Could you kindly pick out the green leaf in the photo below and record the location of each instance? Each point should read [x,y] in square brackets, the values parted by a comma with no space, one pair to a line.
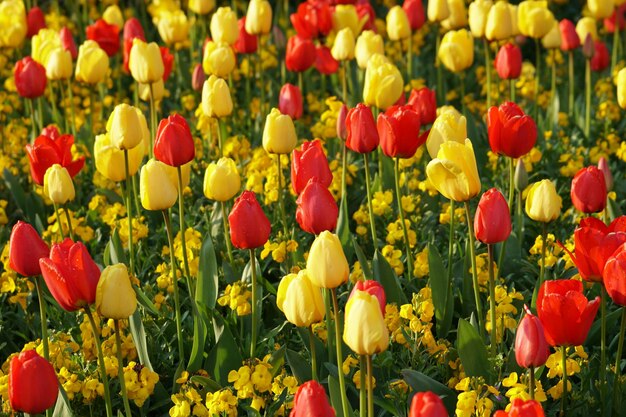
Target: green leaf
[299,366]
[343,227]
[472,351]
[384,274]
[441,291]
[367,272]
[208,384]
[420,383]
[224,357]
[62,407]
[139,338]
[116,249]
[277,360]
[335,397]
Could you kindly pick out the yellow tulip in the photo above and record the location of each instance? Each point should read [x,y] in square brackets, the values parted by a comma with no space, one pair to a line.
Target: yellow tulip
[456,51]
[327,264]
[601,9]
[173,27]
[383,83]
[13,23]
[346,16]
[514,20]
[478,14]
[219,59]
[113,16]
[534,18]
[110,159]
[279,133]
[259,17]
[127,127]
[92,63]
[221,180]
[59,64]
[224,28]
[368,44]
[587,26]
[43,43]
[454,172]
[437,10]
[552,40]
[216,101]
[621,88]
[499,25]
[156,189]
[398,26]
[115,297]
[458,15]
[158,90]
[201,7]
[449,126]
[543,203]
[185,171]
[58,185]
[300,300]
[365,331]
[145,62]
[344,45]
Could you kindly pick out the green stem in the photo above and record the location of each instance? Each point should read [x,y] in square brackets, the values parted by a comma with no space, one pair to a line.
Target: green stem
[363,387]
[342,382]
[618,360]
[531,382]
[260,72]
[554,117]
[103,371]
[120,369]
[488,70]
[220,143]
[587,98]
[55,110]
[369,200]
[227,233]
[616,45]
[409,59]
[281,201]
[33,122]
[544,237]
[407,243]
[492,304]
[72,111]
[344,167]
[463,108]
[512,90]
[537,76]
[43,317]
[313,358]
[129,215]
[40,111]
[61,89]
[564,365]
[152,120]
[571,85]
[511,184]
[370,388]
[255,313]
[344,82]
[440,95]
[91,112]
[470,232]
[329,328]
[603,300]
[520,219]
[69,223]
[301,84]
[183,240]
[56,212]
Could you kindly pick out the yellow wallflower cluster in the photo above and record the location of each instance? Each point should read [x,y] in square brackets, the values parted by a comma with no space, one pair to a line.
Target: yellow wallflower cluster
[3,214]
[237,148]
[253,381]
[420,264]
[261,169]
[193,240]
[237,297]
[221,403]
[326,127]
[505,311]
[11,283]
[279,248]
[446,213]
[337,170]
[395,234]
[574,361]
[554,252]
[394,257]
[140,382]
[474,401]
[79,225]
[114,215]
[518,388]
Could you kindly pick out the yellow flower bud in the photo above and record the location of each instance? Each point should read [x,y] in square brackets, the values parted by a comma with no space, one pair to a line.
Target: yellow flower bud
[113,16]
[158,90]
[454,172]
[514,20]
[438,10]
[221,180]
[13,23]
[327,264]
[383,83]
[346,16]
[478,14]
[343,46]
[300,300]
[543,203]
[601,9]
[367,332]
[173,26]
[224,28]
[58,185]
[621,88]
[216,101]
[450,125]
[259,17]
[534,18]
[552,40]
[127,126]
[499,25]
[398,26]
[201,7]
[59,64]
[145,62]
[368,44]
[279,133]
[157,190]
[458,15]
[456,51]
[115,297]
[586,26]
[219,59]
[92,63]
[110,159]
[43,44]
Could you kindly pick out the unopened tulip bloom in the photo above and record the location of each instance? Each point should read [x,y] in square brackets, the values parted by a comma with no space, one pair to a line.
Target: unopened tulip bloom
[600,9]
[58,185]
[398,26]
[246,43]
[156,189]
[92,64]
[478,13]
[454,172]
[374,288]
[586,26]
[344,45]
[157,90]
[603,165]
[617,20]
[569,37]
[552,40]
[362,134]
[71,275]
[13,23]
[346,16]
[300,54]
[127,127]
[106,35]
[588,190]
[300,300]
[456,51]
[367,333]
[531,347]
[508,62]
[32,384]
[383,83]
[221,180]
[458,15]
[290,101]
[601,57]
[47,151]
[424,103]
[26,247]
[367,44]
[492,222]
[259,17]
[132,30]
[543,203]
[414,10]
[198,78]
[174,144]
[115,297]
[534,18]
[249,226]
[521,408]
[67,41]
[450,126]
[615,276]
[438,10]
[113,16]
[307,162]
[312,19]
[511,132]
[317,209]
[216,100]
[35,21]
[324,61]
[30,78]
[399,132]
[310,400]
[109,158]
[279,133]
[43,43]
[219,59]
[223,26]
[173,26]
[59,64]
[145,62]
[621,88]
[327,263]
[427,404]
[499,24]
[202,7]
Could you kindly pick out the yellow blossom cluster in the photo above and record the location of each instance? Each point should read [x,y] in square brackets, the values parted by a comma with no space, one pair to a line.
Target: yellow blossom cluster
[237,297]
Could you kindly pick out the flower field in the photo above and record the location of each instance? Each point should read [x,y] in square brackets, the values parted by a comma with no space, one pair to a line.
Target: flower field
[314,208]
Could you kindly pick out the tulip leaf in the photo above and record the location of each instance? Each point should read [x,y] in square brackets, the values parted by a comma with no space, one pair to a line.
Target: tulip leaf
[207,283]
[420,383]
[472,351]
[384,273]
[116,250]
[139,338]
[441,291]
[613,209]
[343,227]
[593,337]
[335,397]
[62,407]
[277,403]
[29,204]
[207,383]
[365,266]
[199,341]
[299,366]
[277,360]
[224,357]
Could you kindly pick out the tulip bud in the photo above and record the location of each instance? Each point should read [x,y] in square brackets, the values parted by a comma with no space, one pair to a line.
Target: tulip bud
[367,333]
[368,44]
[543,203]
[478,14]
[249,226]
[588,190]
[145,62]
[398,26]
[492,222]
[415,12]
[534,18]
[216,101]
[373,288]
[300,54]
[259,17]
[458,15]
[32,385]
[457,50]
[327,263]
[519,408]
[246,43]
[344,45]
[310,400]
[614,274]
[454,172]
[586,26]
[219,59]
[499,24]
[106,35]
[198,78]
[589,47]
[221,180]
[26,247]
[127,127]
[173,26]
[511,132]
[399,132]
[110,159]
[92,64]
[438,10]
[383,83]
[67,41]
[346,16]
[113,16]
[202,7]
[13,23]
[508,62]
[531,348]
[290,101]
[35,21]
[156,189]
[521,176]
[115,297]
[279,133]
[58,185]
[316,210]
[424,103]
[450,125]
[569,37]
[300,300]
[174,144]
[224,27]
[324,61]
[154,91]
[30,78]
[603,165]
[552,40]
[308,162]
[600,9]
[362,135]
[601,58]
[59,65]
[427,404]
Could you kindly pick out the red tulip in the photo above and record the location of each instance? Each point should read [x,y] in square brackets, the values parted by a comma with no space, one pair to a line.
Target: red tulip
[601,58]
[246,43]
[71,275]
[427,404]
[132,30]
[308,162]
[249,227]
[290,101]
[365,11]
[362,136]
[589,190]
[373,288]
[615,276]
[311,401]
[342,130]
[317,209]
[521,408]
[35,21]
[51,131]
[508,62]
[312,19]
[324,61]
[414,10]
[26,247]
[168,62]
[399,131]
[531,347]
[569,38]
[620,15]
[492,222]
[49,150]
[424,102]
[107,36]
[67,40]
[30,78]
[603,165]
[300,54]
[33,386]
[565,312]
[174,144]
[511,132]
[198,78]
